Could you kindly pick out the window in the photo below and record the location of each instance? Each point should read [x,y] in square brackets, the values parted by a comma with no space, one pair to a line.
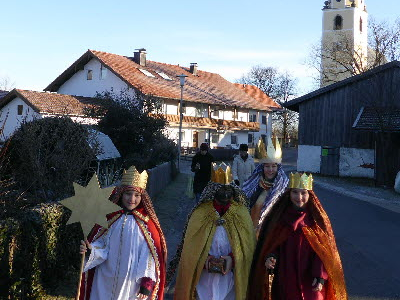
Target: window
[361,24]
[264,119]
[215,138]
[20,109]
[200,111]
[103,72]
[216,113]
[163,75]
[233,139]
[89,75]
[338,25]
[147,73]
[250,138]
[252,118]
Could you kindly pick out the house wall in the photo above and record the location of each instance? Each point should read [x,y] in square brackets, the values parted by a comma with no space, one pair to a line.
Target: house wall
[327,119]
[356,162]
[10,119]
[171,107]
[79,85]
[243,116]
[309,158]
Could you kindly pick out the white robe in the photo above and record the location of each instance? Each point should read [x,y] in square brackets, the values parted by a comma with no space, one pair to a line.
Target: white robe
[121,257]
[214,286]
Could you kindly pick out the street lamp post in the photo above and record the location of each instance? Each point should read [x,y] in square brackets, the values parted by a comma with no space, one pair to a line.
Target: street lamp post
[182,78]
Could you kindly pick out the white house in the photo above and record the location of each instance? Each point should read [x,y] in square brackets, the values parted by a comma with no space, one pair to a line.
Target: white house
[215,110]
[20,106]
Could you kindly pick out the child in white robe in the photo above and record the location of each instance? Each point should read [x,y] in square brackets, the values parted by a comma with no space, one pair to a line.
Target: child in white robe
[129,257]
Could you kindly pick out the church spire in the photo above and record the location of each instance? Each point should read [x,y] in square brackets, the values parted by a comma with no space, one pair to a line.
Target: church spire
[344,27]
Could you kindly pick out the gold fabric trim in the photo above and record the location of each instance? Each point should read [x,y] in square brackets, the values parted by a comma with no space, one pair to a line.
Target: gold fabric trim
[140,216]
[153,251]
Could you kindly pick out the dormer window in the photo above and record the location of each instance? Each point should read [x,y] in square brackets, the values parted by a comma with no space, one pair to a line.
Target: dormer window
[147,73]
[89,75]
[338,25]
[20,109]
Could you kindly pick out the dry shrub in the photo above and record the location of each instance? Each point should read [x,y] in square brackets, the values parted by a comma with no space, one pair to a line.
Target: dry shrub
[47,155]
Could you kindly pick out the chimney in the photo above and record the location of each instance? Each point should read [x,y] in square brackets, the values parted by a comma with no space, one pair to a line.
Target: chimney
[193,68]
[140,57]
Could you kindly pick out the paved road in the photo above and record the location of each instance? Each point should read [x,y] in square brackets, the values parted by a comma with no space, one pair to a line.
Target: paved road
[368,239]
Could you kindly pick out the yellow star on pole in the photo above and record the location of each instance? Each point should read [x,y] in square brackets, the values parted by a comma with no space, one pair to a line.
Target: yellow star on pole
[90,205]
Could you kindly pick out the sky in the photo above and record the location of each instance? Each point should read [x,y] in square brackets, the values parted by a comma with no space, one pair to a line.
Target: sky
[40,39]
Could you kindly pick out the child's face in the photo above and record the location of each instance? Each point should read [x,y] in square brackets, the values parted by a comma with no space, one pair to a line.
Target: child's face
[299,197]
[270,170]
[131,199]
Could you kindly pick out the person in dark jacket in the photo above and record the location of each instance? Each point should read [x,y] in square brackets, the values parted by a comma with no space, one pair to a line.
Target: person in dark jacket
[201,166]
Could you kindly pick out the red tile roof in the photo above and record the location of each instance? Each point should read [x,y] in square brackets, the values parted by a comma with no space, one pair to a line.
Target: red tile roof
[205,87]
[213,123]
[258,94]
[45,102]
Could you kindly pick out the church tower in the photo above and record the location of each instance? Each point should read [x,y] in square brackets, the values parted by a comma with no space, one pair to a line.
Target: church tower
[344,39]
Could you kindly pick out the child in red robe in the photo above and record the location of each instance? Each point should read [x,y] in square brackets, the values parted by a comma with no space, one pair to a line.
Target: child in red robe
[296,257]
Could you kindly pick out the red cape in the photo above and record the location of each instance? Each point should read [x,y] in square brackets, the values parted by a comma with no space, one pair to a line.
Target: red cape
[320,237]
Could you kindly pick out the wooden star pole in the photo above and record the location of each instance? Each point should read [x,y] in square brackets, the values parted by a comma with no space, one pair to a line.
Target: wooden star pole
[89,206]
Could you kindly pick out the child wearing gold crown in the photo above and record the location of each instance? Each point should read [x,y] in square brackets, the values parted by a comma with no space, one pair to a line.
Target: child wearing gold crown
[128,259]
[267,182]
[217,249]
[296,255]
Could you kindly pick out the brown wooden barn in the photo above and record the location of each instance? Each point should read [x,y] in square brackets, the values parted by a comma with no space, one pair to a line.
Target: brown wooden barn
[352,127]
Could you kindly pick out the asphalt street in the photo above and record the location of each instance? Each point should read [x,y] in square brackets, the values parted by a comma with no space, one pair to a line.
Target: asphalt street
[368,238]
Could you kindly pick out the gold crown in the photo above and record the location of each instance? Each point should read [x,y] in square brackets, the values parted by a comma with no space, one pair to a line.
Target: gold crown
[301,181]
[134,178]
[271,154]
[221,173]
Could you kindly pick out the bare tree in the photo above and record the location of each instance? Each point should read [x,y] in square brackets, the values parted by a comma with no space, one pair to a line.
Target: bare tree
[281,87]
[6,84]
[343,58]
[285,121]
[265,78]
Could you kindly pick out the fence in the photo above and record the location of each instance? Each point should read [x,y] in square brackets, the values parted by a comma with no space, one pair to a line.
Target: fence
[159,178]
